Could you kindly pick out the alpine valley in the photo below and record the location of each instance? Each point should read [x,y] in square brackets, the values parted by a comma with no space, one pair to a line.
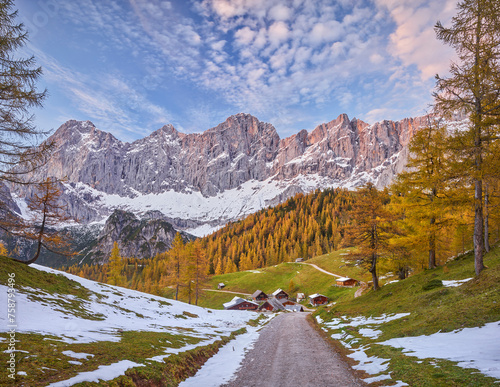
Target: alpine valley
[199,182]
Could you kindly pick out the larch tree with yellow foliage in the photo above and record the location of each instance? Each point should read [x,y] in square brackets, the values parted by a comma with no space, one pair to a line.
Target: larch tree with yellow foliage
[3,250]
[176,256]
[473,87]
[115,267]
[422,189]
[370,228]
[48,214]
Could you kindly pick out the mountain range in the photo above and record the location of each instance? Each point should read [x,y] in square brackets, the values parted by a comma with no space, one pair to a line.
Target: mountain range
[198,182]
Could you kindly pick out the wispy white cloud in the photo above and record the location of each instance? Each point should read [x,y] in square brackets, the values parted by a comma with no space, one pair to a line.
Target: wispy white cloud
[106,99]
[273,58]
[414,41]
[296,53]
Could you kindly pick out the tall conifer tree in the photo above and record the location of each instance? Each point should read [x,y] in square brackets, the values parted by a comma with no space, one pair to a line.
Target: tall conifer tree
[371,228]
[473,87]
[423,186]
[175,257]
[115,266]
[18,93]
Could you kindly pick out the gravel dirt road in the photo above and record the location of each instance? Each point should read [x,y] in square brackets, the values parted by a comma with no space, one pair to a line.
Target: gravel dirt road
[290,353]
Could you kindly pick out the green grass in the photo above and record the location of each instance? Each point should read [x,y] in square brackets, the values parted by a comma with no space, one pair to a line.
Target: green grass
[432,308]
[45,363]
[28,277]
[337,262]
[472,304]
[293,278]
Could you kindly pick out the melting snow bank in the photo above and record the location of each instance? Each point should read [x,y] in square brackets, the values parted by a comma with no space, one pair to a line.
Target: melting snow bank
[471,347]
[114,309]
[108,372]
[455,283]
[372,365]
[221,367]
[110,310]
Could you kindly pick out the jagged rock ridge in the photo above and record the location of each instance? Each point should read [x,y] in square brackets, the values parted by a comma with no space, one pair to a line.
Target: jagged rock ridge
[228,171]
[141,238]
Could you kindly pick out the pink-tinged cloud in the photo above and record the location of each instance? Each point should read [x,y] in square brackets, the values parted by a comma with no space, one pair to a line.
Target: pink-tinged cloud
[280,12]
[325,32]
[278,33]
[414,41]
[245,35]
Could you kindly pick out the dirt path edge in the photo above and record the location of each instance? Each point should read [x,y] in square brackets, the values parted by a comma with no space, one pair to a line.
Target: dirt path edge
[339,348]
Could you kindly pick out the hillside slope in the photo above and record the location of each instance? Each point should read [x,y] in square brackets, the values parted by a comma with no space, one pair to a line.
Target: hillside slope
[386,333]
[72,329]
[292,277]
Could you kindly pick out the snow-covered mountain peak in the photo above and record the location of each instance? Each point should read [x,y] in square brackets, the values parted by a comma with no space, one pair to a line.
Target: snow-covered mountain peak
[226,172]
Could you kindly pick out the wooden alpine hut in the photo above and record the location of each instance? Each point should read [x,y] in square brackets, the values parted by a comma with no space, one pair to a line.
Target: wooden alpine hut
[318,299]
[259,295]
[346,281]
[238,303]
[280,294]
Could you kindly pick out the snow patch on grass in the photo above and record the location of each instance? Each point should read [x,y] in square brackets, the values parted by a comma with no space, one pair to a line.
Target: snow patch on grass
[120,309]
[370,364]
[76,355]
[108,372]
[455,283]
[221,367]
[470,347]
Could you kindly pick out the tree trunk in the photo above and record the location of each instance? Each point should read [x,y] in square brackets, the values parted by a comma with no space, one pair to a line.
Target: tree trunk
[197,284]
[432,245]
[478,156]
[178,276]
[463,242]
[39,241]
[486,219]
[478,227]
[373,270]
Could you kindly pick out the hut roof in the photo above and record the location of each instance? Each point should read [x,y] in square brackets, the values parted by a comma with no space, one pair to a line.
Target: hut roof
[315,295]
[276,304]
[278,291]
[294,308]
[257,293]
[236,301]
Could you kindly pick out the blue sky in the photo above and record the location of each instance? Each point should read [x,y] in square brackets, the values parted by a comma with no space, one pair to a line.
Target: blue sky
[131,66]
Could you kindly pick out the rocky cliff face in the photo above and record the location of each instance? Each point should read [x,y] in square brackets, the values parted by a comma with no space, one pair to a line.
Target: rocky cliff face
[228,171]
[141,238]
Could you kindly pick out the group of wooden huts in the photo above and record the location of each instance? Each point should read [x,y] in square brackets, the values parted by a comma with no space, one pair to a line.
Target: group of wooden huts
[279,299]
[275,302]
